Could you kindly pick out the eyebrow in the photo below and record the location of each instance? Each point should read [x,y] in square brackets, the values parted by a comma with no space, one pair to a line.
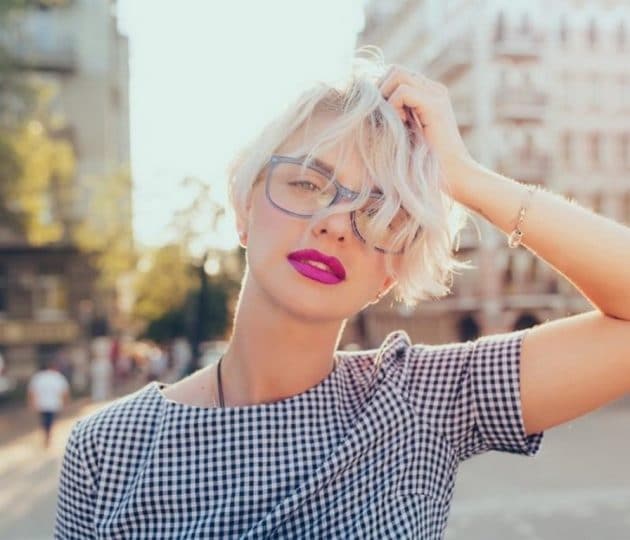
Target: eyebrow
[330,170]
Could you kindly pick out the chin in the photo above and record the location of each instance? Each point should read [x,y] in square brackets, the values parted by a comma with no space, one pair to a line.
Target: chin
[314,304]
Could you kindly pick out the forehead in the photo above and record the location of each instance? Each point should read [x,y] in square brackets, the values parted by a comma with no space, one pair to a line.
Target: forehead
[351,170]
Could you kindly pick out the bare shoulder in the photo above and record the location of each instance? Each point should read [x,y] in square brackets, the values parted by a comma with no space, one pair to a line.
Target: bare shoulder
[197,389]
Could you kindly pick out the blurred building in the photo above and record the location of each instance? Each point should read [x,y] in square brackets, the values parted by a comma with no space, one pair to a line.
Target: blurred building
[541,92]
[48,302]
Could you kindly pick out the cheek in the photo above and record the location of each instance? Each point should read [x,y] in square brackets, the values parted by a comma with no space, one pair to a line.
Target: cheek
[267,222]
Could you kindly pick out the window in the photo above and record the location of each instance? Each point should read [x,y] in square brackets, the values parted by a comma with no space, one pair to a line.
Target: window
[620,92]
[624,150]
[597,202]
[594,143]
[50,296]
[592,34]
[4,289]
[564,30]
[596,88]
[626,208]
[567,142]
[622,37]
[500,27]
[525,24]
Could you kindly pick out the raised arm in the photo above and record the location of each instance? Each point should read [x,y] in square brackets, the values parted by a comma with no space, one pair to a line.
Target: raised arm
[576,364]
[572,365]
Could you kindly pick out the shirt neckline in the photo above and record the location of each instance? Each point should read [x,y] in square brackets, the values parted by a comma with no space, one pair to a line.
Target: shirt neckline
[156,388]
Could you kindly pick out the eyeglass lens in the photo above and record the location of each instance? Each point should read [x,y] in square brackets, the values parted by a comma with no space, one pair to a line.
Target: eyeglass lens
[304,191]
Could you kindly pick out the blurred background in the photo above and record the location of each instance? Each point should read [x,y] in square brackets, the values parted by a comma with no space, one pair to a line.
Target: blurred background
[119,261]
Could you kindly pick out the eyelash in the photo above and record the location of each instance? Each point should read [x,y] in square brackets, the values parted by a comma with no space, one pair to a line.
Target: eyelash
[304,182]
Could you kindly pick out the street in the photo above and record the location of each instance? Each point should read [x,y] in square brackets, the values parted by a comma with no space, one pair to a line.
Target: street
[577,488]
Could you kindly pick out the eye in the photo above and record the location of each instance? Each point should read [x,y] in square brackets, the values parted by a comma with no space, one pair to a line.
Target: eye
[305,185]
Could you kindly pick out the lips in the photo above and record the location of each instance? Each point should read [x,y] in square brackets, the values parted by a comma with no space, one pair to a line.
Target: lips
[326,263]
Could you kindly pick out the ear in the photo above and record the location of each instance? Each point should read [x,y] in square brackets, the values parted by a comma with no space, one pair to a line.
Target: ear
[242,221]
[389,283]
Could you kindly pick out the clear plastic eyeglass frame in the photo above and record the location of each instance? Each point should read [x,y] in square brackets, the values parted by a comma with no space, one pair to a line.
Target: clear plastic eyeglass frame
[341,193]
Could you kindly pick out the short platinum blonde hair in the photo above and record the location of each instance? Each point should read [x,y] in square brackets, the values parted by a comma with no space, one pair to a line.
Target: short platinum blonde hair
[402,167]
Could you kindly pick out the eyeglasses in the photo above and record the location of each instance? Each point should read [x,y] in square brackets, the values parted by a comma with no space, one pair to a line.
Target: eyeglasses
[302,191]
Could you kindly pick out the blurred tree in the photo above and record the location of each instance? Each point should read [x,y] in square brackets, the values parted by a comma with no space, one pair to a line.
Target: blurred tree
[193,225]
[38,198]
[106,231]
[170,325]
[36,165]
[199,306]
[165,285]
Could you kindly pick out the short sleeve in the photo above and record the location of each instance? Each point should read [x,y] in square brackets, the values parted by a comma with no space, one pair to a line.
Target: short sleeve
[494,379]
[470,391]
[75,497]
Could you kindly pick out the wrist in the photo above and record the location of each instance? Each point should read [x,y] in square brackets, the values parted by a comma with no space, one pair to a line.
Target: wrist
[459,175]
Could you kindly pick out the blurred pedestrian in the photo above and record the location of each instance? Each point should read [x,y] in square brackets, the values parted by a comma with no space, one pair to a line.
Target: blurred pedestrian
[101,369]
[114,357]
[182,356]
[158,363]
[48,392]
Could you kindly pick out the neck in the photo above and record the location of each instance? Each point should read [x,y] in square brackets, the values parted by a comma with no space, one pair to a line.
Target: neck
[274,354]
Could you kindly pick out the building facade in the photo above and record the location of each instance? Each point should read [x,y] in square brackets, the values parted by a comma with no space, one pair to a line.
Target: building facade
[541,93]
[49,305]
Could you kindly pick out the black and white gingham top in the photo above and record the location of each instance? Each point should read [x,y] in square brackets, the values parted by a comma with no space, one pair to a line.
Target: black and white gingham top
[371,451]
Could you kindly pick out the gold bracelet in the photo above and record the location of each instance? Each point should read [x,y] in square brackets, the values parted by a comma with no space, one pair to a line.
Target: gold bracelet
[516,236]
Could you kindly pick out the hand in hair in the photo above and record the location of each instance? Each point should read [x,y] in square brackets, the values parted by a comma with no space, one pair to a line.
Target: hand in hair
[425,106]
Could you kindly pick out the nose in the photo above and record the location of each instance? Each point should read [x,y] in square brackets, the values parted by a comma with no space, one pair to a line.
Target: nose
[336,226]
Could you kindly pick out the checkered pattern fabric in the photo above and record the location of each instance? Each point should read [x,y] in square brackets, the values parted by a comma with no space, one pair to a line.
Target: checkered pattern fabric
[371,451]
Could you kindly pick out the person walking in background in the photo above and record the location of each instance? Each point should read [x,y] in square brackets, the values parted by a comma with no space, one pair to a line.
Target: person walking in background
[48,392]
[158,363]
[182,356]
[101,369]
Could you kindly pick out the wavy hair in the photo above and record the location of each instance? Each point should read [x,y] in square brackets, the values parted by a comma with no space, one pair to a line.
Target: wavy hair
[396,159]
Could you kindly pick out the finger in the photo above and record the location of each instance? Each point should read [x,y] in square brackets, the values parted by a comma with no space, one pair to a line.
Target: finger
[414,114]
[401,75]
[406,96]
[390,81]
[384,77]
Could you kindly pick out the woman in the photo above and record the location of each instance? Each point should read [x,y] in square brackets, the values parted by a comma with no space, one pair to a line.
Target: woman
[353,192]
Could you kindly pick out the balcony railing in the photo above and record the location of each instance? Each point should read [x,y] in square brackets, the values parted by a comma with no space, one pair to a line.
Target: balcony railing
[526,165]
[519,45]
[451,61]
[523,103]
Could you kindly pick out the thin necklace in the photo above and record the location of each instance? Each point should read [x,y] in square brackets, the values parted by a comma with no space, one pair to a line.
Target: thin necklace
[219,382]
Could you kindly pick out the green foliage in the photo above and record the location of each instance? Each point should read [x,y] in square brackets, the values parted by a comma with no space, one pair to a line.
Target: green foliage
[174,298]
[36,166]
[10,171]
[165,284]
[46,167]
[105,232]
[170,325]
[214,315]
[182,321]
